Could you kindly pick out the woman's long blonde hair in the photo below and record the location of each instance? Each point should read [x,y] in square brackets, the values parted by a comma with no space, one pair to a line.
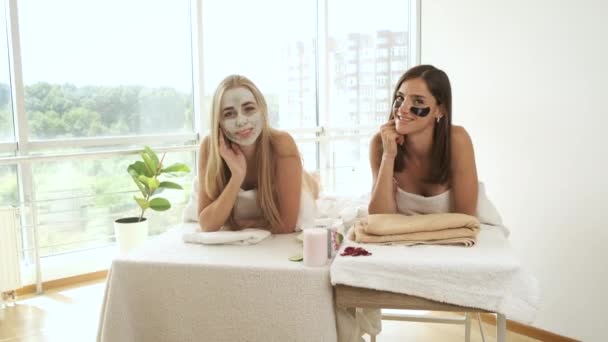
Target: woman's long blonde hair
[217,172]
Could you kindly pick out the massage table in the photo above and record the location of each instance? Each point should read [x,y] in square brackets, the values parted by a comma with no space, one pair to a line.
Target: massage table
[487,277]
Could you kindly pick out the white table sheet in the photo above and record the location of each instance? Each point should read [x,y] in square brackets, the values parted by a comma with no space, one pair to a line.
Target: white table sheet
[488,276]
[173,291]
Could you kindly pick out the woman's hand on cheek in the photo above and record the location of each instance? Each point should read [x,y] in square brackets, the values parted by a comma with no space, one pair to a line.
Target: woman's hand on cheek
[234,157]
[390,139]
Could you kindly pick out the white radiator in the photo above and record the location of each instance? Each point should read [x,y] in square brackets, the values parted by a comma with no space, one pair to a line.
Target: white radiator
[10,275]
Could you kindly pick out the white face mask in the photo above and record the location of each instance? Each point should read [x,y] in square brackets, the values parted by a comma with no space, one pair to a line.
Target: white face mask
[240,117]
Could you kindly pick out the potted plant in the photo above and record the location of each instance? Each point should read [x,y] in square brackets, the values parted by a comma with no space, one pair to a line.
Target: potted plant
[132,231]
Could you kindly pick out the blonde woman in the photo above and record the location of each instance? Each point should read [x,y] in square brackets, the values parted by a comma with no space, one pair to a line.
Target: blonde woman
[251,175]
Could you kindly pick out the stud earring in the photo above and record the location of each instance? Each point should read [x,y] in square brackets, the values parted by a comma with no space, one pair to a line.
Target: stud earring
[438,118]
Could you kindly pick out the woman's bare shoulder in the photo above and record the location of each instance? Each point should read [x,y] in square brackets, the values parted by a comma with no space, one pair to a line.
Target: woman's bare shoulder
[460,138]
[375,147]
[284,144]
[376,141]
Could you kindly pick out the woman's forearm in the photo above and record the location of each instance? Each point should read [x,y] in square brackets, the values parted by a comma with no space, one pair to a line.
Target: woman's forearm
[285,230]
[383,198]
[215,215]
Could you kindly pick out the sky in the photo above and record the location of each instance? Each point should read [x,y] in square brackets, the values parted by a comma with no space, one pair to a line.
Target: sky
[116,42]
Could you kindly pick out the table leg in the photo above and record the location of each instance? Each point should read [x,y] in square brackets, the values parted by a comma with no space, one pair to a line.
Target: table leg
[501,328]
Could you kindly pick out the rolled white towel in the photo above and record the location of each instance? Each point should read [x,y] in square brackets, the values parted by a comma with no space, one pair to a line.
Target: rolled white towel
[249,236]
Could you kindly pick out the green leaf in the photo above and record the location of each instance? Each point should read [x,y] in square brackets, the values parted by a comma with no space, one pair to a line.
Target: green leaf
[140,186]
[177,167]
[143,204]
[138,168]
[160,204]
[151,154]
[151,183]
[169,185]
[150,163]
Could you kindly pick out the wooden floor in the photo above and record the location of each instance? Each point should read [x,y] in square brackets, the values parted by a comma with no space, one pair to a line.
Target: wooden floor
[72,315]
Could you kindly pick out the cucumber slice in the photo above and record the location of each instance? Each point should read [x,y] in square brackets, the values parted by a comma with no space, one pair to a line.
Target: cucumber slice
[297,257]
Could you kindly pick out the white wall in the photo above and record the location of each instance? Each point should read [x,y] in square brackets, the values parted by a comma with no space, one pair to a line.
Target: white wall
[530,84]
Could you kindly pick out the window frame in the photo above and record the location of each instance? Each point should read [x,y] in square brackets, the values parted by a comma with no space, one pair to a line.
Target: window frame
[25,151]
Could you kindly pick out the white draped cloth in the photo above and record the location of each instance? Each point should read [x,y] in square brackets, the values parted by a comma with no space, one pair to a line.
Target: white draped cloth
[174,291]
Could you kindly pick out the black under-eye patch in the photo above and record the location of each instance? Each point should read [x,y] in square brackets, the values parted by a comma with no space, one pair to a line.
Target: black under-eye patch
[418,111]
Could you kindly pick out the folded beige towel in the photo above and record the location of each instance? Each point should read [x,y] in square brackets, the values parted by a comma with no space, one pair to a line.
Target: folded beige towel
[437,229]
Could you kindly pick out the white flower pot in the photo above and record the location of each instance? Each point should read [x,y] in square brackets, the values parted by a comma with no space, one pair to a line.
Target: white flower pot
[130,233]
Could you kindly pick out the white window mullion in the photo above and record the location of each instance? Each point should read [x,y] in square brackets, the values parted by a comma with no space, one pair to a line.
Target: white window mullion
[198,86]
[324,162]
[107,153]
[16,75]
[8,147]
[41,145]
[414,33]
[26,184]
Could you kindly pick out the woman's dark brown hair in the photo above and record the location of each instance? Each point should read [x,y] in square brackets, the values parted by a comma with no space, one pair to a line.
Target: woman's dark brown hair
[438,84]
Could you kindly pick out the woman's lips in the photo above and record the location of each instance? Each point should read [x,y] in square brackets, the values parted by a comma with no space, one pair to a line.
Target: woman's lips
[404,122]
[405,119]
[244,133]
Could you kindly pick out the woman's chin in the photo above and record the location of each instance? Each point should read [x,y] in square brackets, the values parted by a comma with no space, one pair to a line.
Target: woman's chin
[403,130]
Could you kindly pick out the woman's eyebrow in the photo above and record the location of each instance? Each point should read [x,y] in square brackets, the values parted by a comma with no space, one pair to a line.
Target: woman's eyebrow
[411,95]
